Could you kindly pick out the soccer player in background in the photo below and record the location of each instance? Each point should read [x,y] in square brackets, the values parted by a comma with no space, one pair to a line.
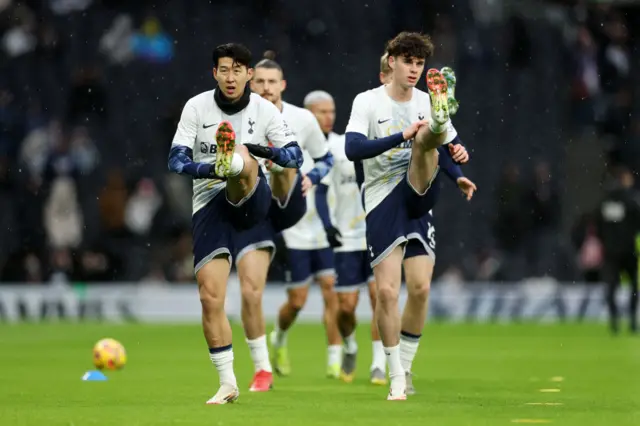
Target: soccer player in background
[219,135]
[389,132]
[351,259]
[449,157]
[309,255]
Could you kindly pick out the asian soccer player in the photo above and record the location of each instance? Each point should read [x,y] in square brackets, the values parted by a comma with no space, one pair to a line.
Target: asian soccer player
[351,260]
[389,132]
[455,153]
[219,135]
[308,251]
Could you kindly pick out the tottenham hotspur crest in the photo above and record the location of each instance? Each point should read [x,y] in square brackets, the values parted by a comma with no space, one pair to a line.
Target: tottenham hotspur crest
[251,123]
[420,116]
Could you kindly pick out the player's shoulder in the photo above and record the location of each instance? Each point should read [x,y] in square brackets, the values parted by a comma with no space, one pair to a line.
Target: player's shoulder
[336,143]
[201,99]
[264,106]
[371,94]
[301,114]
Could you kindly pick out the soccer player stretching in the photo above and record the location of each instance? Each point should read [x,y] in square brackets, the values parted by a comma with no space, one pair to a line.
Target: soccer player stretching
[450,156]
[387,130]
[308,251]
[351,256]
[231,198]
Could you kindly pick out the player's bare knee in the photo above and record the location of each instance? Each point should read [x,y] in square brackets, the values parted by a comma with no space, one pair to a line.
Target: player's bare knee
[298,298]
[347,303]
[211,296]
[419,291]
[251,291]
[387,295]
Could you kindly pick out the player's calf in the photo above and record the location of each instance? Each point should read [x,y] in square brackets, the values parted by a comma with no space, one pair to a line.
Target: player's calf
[347,303]
[327,283]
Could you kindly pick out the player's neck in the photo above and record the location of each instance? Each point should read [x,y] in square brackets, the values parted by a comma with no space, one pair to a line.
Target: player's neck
[399,93]
[279,105]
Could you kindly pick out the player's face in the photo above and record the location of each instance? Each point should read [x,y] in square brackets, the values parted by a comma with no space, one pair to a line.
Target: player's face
[269,84]
[406,71]
[325,112]
[232,77]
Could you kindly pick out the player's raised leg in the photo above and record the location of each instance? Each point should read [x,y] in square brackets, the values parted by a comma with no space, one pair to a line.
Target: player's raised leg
[253,265]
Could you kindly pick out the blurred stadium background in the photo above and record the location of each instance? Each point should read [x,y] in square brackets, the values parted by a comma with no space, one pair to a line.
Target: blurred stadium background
[91,91]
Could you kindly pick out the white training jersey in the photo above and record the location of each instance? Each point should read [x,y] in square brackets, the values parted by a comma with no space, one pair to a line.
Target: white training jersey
[258,123]
[347,212]
[375,115]
[308,233]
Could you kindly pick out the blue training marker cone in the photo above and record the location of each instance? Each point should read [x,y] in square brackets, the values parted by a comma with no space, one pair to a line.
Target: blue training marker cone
[94,376]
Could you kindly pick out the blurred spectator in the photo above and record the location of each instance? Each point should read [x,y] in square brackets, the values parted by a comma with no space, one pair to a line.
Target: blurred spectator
[586,78]
[152,44]
[63,7]
[116,43]
[62,214]
[113,202]
[142,206]
[98,265]
[20,38]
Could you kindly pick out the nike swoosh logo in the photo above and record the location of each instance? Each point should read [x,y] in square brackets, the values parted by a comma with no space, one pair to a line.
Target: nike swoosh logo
[204,126]
[383,121]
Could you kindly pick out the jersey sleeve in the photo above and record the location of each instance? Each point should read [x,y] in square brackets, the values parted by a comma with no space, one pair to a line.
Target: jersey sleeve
[314,141]
[187,130]
[359,119]
[278,131]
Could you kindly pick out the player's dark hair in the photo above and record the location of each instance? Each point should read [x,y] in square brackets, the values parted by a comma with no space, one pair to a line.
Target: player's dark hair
[410,45]
[269,62]
[236,51]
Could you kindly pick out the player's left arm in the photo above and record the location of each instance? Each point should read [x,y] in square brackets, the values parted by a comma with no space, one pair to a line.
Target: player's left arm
[286,152]
[322,207]
[318,148]
[450,156]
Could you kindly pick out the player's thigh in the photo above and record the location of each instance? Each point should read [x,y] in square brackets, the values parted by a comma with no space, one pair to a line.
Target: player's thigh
[323,266]
[286,213]
[253,268]
[212,236]
[420,202]
[423,169]
[388,275]
[253,207]
[386,225]
[212,281]
[239,186]
[418,269]
[298,272]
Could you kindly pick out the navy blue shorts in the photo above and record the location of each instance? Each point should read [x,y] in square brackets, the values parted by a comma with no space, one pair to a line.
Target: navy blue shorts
[402,216]
[304,265]
[353,270]
[217,226]
[258,237]
[285,215]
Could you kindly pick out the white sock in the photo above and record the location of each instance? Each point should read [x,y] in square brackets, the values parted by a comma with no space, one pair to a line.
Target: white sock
[378,356]
[436,127]
[393,359]
[350,344]
[237,164]
[334,352]
[260,353]
[408,349]
[224,364]
[281,337]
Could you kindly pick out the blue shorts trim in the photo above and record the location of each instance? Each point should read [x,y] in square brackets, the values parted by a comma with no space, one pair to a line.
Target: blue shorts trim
[304,265]
[353,270]
[403,216]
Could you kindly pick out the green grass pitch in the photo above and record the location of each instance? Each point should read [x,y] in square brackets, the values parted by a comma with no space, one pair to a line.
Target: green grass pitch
[465,375]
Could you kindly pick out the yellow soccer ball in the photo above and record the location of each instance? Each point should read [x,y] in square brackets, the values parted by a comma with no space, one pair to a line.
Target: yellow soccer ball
[109,354]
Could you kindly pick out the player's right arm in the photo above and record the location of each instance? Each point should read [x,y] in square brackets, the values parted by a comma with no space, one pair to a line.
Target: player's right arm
[181,153]
[357,146]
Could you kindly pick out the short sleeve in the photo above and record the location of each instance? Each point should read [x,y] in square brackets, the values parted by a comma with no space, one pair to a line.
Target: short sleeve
[187,130]
[314,141]
[359,119]
[278,132]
